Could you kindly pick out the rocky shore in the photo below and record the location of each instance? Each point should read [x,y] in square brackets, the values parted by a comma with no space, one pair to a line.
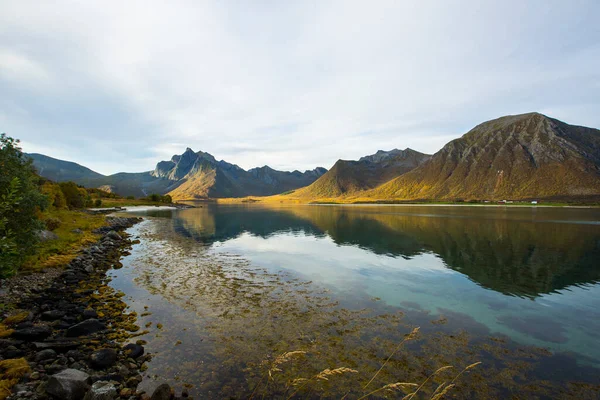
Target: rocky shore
[67,335]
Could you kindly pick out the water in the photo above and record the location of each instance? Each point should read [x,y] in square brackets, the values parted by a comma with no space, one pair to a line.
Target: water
[236,286]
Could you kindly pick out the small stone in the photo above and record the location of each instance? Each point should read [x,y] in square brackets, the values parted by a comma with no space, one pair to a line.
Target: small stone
[52,315]
[86,327]
[103,358]
[162,392]
[133,350]
[37,332]
[126,392]
[89,313]
[43,355]
[113,235]
[101,391]
[69,384]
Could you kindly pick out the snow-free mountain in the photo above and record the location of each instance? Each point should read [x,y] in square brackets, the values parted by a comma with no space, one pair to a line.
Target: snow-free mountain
[191,175]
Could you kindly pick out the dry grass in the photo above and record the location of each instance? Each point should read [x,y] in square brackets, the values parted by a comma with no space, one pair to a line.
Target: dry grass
[58,253]
[11,371]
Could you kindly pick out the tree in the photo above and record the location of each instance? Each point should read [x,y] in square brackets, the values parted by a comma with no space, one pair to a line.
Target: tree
[20,201]
[75,196]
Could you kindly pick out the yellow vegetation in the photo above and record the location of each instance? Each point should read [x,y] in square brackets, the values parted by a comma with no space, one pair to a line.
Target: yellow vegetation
[10,373]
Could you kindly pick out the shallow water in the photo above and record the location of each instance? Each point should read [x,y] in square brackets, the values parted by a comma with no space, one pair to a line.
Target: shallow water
[234,287]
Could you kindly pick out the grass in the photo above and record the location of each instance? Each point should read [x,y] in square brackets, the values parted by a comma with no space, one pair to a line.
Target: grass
[11,371]
[57,253]
[409,389]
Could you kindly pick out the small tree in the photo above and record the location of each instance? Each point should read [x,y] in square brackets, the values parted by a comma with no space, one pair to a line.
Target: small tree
[98,203]
[20,201]
[75,196]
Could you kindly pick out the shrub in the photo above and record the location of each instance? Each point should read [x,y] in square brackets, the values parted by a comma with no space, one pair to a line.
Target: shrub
[130,197]
[20,202]
[98,203]
[52,223]
[75,196]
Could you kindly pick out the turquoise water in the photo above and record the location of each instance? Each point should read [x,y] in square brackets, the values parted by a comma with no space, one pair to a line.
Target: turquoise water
[529,275]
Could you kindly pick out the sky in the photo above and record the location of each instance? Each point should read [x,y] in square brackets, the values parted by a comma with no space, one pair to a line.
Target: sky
[120,85]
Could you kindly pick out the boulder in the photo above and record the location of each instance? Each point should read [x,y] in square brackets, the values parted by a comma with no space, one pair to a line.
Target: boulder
[114,235]
[162,392]
[89,313]
[46,236]
[103,358]
[133,350]
[70,384]
[86,327]
[101,391]
[36,332]
[44,355]
[52,315]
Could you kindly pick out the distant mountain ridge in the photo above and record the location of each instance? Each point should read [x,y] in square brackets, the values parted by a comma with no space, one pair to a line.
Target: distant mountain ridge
[200,175]
[348,177]
[187,176]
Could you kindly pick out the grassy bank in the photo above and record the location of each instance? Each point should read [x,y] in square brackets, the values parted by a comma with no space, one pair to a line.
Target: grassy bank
[74,232]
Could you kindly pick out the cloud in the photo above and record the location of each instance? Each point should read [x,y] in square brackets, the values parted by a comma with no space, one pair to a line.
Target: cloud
[119,85]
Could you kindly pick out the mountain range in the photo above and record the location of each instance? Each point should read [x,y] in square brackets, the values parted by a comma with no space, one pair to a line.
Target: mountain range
[187,176]
[527,156]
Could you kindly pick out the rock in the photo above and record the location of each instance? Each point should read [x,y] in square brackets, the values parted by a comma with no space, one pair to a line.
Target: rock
[12,352]
[133,350]
[103,358]
[114,235]
[101,391]
[86,327]
[89,313]
[43,355]
[163,392]
[69,384]
[46,236]
[77,231]
[58,345]
[36,332]
[52,315]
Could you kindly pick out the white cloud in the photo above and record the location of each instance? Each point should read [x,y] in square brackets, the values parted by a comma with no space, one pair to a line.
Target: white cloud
[292,85]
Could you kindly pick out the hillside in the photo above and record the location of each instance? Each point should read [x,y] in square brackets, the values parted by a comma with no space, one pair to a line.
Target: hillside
[59,170]
[348,177]
[514,157]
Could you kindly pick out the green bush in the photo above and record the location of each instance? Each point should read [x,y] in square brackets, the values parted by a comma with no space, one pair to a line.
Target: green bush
[52,223]
[75,196]
[98,203]
[20,202]
[130,197]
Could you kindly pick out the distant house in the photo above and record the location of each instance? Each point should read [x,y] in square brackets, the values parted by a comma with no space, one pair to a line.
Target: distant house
[534,202]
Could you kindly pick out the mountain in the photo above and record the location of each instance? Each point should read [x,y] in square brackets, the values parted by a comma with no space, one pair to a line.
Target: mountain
[526,156]
[200,175]
[187,176]
[348,177]
[59,171]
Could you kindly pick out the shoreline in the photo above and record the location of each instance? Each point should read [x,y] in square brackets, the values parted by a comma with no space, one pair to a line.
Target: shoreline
[66,334]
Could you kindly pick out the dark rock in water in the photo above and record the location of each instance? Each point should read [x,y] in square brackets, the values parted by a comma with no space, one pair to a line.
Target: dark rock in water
[69,384]
[87,314]
[86,327]
[36,332]
[163,392]
[103,358]
[133,350]
[52,315]
[114,235]
[44,355]
[46,236]
[101,391]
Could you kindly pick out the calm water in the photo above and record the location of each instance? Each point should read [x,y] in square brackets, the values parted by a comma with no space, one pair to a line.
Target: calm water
[235,286]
